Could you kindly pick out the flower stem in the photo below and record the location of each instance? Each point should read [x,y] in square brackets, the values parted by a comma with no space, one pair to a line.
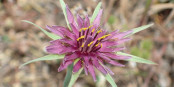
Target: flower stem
[68,76]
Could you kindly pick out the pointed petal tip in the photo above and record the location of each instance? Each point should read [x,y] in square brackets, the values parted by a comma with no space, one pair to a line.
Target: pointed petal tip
[122,65]
[95,80]
[59,69]
[67,6]
[47,26]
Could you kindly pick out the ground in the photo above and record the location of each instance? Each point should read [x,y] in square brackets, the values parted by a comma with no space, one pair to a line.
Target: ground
[20,42]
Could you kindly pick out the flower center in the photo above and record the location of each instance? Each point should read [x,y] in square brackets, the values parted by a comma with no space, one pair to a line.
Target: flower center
[90,39]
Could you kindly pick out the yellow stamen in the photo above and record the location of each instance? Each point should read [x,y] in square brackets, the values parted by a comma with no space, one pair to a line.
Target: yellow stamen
[99,31]
[104,36]
[97,44]
[84,29]
[81,37]
[83,45]
[93,30]
[90,26]
[101,45]
[90,43]
[80,29]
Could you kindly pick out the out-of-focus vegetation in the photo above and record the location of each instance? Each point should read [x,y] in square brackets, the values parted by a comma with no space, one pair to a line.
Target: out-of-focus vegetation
[144,49]
[20,42]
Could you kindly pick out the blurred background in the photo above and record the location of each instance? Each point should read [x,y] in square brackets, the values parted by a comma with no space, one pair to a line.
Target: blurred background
[21,42]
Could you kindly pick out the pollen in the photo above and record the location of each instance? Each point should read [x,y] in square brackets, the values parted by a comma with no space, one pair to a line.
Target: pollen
[83,29]
[99,31]
[101,45]
[83,45]
[104,36]
[81,37]
[93,30]
[97,44]
[90,26]
[90,43]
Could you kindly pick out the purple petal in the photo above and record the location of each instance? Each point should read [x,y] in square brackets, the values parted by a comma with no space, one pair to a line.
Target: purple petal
[109,44]
[67,50]
[56,30]
[79,21]
[64,66]
[92,72]
[74,29]
[77,66]
[87,22]
[111,49]
[86,61]
[98,66]
[86,69]
[70,16]
[109,71]
[112,34]
[121,35]
[61,31]
[71,57]
[54,49]
[106,49]
[123,40]
[106,68]
[104,57]
[116,63]
[59,49]
[70,42]
[67,33]
[97,19]
[114,56]
[56,42]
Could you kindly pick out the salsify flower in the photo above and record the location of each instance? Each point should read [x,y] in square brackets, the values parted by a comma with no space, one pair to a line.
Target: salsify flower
[88,42]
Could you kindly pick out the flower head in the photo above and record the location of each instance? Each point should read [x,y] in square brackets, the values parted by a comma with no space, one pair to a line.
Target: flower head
[89,43]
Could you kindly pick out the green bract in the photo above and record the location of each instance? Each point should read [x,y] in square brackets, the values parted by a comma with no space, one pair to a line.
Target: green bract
[47,57]
[136,59]
[52,36]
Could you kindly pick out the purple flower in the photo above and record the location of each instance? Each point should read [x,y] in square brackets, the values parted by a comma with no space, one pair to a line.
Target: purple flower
[89,43]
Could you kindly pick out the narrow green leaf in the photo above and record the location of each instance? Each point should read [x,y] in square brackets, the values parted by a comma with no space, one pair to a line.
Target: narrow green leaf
[68,76]
[136,59]
[74,77]
[96,11]
[52,36]
[63,5]
[138,29]
[47,57]
[110,80]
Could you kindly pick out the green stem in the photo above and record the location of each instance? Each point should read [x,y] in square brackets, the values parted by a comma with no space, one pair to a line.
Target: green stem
[68,76]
